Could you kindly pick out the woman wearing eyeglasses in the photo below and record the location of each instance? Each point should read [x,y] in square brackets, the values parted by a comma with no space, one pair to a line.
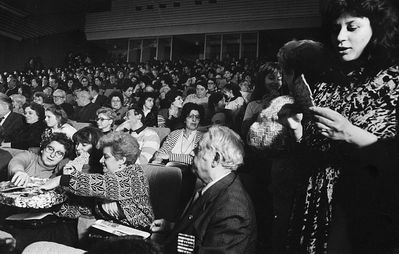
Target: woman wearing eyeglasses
[105,119]
[180,144]
[43,165]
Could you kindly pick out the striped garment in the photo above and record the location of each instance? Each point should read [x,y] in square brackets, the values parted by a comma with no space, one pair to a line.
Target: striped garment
[149,143]
[170,143]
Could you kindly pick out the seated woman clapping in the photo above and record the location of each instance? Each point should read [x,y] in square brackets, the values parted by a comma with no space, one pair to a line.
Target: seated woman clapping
[180,144]
[47,163]
[122,192]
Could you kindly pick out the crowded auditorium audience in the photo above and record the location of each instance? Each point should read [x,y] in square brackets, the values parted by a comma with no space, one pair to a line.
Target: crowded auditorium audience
[294,154]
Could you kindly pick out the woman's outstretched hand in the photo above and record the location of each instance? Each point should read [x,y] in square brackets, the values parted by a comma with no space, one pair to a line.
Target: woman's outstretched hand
[20,178]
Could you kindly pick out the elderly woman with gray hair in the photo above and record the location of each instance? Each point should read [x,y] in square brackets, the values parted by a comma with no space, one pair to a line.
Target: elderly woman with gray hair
[122,192]
[105,119]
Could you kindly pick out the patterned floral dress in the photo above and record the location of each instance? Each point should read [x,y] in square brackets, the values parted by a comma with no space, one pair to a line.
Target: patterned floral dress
[370,105]
[128,188]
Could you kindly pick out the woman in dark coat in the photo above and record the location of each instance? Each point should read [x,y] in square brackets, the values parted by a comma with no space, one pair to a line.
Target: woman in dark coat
[30,134]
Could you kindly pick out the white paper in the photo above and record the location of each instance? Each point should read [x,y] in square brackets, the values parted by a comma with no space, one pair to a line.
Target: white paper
[118,229]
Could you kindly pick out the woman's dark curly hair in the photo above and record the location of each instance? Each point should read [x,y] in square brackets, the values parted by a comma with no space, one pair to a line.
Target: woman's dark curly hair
[187,109]
[383,47]
[170,98]
[115,94]
[63,140]
[37,108]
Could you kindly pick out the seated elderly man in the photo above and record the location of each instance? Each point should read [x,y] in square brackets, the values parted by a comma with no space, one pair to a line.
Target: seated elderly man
[147,138]
[11,122]
[59,98]
[220,218]
[86,110]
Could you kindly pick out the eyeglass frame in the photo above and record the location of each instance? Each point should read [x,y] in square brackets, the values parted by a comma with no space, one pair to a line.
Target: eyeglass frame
[192,116]
[58,154]
[102,119]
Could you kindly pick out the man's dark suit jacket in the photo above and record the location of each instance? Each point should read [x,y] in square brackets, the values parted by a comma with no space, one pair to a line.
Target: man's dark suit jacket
[12,125]
[101,100]
[68,108]
[86,114]
[5,158]
[222,220]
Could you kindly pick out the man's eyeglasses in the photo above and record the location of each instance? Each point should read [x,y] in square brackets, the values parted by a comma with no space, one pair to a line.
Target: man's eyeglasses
[58,97]
[193,117]
[102,119]
[51,150]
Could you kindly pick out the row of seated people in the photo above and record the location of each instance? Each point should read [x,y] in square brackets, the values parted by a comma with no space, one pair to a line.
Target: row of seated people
[129,111]
[118,116]
[146,86]
[221,218]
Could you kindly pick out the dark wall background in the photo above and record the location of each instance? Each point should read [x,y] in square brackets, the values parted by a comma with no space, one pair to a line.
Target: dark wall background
[51,49]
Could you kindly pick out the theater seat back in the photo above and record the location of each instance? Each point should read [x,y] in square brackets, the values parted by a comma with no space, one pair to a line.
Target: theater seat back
[165,190]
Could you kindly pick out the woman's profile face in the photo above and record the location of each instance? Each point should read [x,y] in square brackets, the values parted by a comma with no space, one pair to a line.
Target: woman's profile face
[31,116]
[178,102]
[103,121]
[50,119]
[128,92]
[82,148]
[109,162]
[350,36]
[149,103]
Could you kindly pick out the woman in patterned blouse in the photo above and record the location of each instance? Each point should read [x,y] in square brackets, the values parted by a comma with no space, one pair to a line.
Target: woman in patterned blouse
[343,203]
[122,192]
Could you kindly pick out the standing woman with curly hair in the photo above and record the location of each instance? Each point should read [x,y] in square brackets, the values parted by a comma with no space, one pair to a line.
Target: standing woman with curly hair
[345,204]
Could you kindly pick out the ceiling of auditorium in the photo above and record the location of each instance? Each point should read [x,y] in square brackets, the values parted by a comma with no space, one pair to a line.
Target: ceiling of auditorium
[27,19]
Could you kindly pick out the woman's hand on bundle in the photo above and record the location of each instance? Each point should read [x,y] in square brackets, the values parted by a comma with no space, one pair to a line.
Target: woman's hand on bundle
[52,183]
[20,178]
[335,126]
